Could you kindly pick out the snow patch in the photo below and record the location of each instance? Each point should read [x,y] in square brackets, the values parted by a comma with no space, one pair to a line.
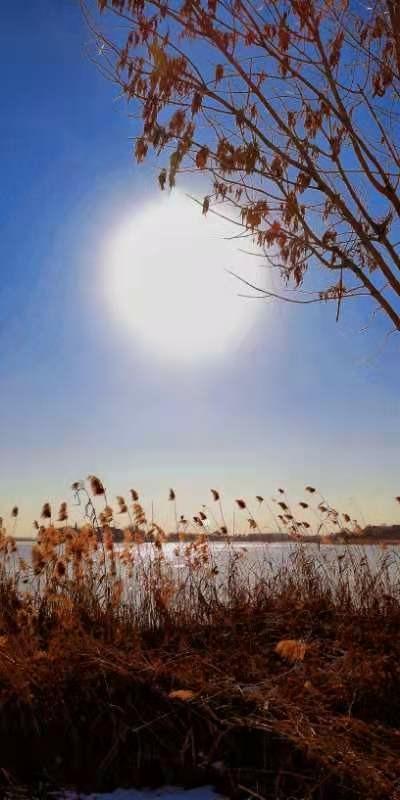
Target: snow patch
[165,793]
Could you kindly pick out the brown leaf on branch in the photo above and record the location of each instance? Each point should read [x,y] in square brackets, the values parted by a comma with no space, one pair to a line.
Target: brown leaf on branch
[321,152]
[219,73]
[162,178]
[201,157]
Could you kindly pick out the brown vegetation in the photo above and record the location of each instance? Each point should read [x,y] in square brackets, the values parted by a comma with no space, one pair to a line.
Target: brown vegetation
[117,667]
[289,107]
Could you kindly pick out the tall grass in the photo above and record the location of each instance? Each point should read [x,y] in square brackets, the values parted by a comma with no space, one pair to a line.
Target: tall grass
[272,680]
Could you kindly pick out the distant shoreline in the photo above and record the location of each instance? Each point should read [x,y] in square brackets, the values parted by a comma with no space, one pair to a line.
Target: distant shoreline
[371,534]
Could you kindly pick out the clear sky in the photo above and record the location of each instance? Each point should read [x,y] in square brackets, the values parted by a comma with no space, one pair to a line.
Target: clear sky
[290,398]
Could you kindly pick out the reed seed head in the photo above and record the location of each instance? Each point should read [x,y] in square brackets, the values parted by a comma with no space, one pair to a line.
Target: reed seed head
[63,513]
[46,511]
[122,507]
[96,486]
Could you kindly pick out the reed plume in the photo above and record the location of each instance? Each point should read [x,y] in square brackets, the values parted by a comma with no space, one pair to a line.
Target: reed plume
[96,486]
[46,511]
[63,512]
[172,499]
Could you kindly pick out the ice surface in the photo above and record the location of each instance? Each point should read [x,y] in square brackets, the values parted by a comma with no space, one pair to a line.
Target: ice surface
[164,793]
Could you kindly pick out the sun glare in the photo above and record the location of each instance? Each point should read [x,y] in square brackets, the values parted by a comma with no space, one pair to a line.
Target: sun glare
[167,280]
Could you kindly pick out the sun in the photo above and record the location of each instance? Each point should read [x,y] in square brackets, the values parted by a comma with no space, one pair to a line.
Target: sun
[168,282]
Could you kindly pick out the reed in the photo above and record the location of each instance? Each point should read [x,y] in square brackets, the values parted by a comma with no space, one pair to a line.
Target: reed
[272,680]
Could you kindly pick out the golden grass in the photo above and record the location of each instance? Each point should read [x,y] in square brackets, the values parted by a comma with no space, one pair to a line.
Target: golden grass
[116,667]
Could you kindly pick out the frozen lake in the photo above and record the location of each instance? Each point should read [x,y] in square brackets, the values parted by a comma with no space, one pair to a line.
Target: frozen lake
[257,557]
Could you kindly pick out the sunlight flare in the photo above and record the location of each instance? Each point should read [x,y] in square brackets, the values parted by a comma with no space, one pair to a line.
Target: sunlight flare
[168,280]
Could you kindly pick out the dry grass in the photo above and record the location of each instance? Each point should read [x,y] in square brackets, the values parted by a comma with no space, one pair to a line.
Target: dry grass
[116,667]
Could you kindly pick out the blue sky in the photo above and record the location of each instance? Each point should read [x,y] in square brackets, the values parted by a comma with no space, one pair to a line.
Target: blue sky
[300,400]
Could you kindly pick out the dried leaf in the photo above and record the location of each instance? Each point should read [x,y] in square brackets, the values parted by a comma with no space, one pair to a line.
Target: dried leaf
[219,73]
[182,694]
[196,102]
[201,157]
[206,204]
[291,650]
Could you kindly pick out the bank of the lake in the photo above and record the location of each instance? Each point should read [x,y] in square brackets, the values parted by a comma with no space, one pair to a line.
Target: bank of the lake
[263,670]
